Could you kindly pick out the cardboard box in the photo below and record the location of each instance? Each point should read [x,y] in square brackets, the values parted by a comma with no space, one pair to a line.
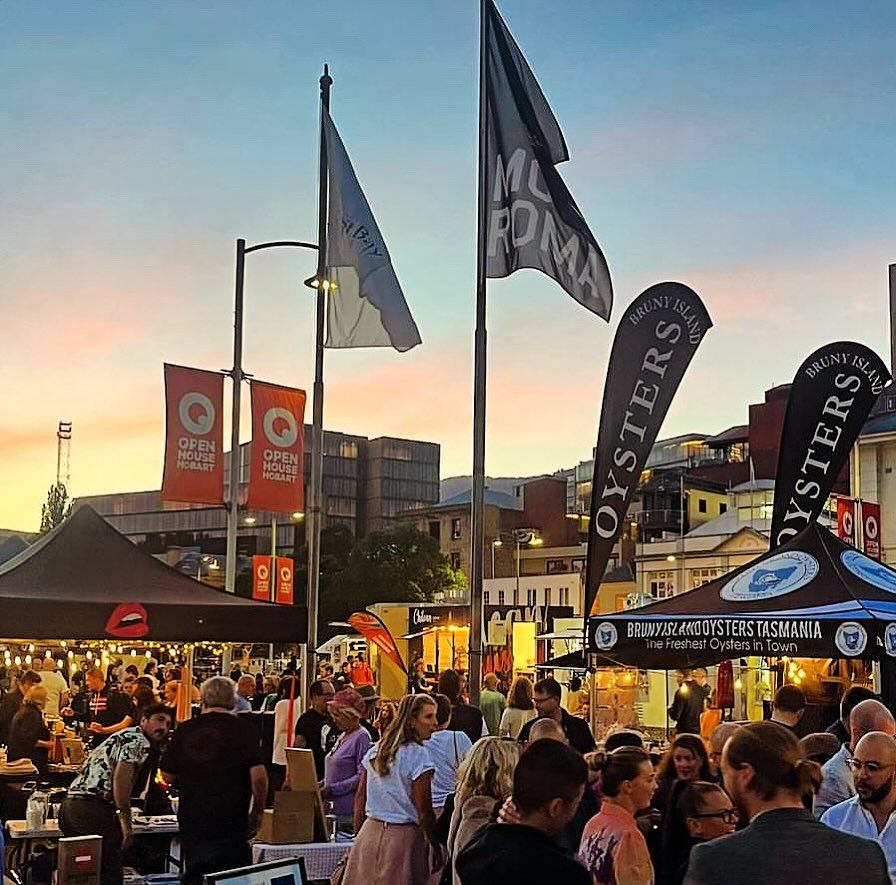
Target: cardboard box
[291,820]
[79,860]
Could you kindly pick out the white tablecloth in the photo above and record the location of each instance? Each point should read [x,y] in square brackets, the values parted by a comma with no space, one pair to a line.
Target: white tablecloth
[321,858]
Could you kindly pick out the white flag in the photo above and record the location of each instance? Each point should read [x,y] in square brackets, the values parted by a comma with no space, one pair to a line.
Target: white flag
[367,307]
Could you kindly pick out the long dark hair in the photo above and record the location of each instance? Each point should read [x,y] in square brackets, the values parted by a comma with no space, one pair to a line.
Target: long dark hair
[691,742]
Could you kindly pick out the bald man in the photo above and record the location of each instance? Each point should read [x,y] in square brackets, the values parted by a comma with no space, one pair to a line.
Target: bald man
[548,729]
[838,784]
[869,813]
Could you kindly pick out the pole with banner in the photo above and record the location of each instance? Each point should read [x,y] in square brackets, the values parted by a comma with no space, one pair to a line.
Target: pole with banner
[526,217]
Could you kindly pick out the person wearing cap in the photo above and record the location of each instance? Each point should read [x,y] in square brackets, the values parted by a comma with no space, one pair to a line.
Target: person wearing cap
[342,765]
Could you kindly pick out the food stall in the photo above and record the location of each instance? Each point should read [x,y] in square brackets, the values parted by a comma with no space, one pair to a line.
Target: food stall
[814,612]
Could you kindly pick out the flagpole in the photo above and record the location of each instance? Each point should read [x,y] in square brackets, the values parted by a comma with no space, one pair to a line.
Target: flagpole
[477,501]
[236,374]
[313,521]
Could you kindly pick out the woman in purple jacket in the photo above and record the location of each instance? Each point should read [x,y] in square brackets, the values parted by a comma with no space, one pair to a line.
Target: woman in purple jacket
[342,766]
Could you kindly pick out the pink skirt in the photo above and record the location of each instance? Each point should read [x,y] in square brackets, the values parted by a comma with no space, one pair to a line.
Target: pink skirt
[390,854]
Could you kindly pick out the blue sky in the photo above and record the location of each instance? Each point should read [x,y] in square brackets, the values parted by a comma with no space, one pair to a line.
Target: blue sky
[742,148]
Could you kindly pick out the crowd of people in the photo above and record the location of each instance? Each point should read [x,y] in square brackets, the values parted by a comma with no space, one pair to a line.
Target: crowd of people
[436,791]
[753,803]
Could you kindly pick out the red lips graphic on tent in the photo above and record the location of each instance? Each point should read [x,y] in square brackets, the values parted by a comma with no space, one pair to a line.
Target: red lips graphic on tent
[128,621]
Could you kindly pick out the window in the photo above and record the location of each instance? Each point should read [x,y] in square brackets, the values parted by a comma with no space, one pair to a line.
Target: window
[547,596]
[701,505]
[700,576]
[723,508]
[557,566]
[531,595]
[661,585]
[455,529]
[485,597]
[564,596]
[500,597]
[435,530]
[454,558]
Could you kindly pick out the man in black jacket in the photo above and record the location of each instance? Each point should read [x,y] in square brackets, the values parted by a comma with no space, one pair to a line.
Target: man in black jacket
[548,784]
[547,694]
[767,776]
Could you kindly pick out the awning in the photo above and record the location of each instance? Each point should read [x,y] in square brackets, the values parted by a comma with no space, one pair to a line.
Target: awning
[813,597]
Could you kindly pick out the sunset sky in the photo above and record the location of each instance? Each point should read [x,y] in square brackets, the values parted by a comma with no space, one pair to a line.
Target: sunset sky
[743,148]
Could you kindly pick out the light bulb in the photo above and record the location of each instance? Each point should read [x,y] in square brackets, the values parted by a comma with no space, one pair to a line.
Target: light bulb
[17,661]
[133,652]
[48,654]
[70,655]
[89,655]
[28,660]
[31,647]
[797,680]
[60,663]
[802,673]
[738,683]
[147,654]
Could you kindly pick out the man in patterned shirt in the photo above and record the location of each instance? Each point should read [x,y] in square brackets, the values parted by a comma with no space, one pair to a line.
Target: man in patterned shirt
[99,799]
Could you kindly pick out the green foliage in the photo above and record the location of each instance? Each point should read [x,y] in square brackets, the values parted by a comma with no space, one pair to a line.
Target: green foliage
[55,509]
[399,565]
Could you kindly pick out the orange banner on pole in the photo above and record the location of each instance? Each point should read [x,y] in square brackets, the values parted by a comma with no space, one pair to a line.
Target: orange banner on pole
[194,436]
[261,579]
[377,633]
[276,478]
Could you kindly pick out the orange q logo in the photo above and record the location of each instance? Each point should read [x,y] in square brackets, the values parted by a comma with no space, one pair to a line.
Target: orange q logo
[200,406]
[280,427]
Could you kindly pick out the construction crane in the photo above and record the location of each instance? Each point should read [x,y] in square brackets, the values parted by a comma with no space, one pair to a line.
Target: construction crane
[63,452]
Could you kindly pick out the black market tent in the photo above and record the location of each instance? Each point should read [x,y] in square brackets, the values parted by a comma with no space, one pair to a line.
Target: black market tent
[85,580]
[813,597]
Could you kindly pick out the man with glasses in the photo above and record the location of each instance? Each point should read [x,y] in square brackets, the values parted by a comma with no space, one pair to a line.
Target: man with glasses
[838,783]
[870,813]
[547,694]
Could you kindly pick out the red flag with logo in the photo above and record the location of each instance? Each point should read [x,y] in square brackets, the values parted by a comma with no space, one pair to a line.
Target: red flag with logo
[194,436]
[871,528]
[377,633]
[846,520]
[261,578]
[285,580]
[276,478]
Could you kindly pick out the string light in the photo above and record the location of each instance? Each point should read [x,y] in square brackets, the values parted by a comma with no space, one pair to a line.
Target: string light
[28,660]
[70,654]
[17,660]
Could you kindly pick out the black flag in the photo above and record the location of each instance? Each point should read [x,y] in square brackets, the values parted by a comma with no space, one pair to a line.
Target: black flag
[656,338]
[832,393]
[531,219]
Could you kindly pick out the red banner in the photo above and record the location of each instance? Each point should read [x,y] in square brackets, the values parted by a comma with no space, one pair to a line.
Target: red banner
[276,478]
[261,579]
[285,580]
[377,633]
[194,436]
[846,520]
[871,528]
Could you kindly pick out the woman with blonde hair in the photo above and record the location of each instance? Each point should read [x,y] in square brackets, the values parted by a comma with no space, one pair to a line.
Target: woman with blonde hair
[484,781]
[29,737]
[520,708]
[394,818]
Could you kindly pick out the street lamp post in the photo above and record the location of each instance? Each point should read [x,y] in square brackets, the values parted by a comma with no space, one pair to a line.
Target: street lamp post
[521,538]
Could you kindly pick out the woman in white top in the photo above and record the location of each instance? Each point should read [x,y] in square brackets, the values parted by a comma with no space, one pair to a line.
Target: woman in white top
[394,819]
[283,728]
[447,749]
[519,710]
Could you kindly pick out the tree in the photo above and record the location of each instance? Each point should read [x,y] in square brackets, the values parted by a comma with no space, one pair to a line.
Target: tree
[399,565]
[55,509]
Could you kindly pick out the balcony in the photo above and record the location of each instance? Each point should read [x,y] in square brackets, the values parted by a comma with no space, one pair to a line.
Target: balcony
[654,521]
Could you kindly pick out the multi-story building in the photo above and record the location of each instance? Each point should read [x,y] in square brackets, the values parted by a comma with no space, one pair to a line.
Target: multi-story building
[365,484]
[536,513]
